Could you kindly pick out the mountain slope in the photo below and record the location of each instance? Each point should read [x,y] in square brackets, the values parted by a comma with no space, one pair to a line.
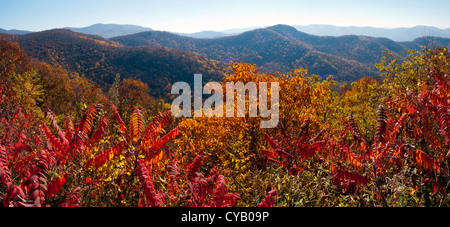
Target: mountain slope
[363,49]
[282,47]
[260,46]
[278,48]
[163,58]
[100,59]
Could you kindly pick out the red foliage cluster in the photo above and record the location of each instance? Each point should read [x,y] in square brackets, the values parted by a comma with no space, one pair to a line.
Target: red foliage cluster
[28,187]
[295,148]
[55,185]
[105,156]
[62,158]
[349,181]
[202,191]
[354,163]
[195,166]
[149,190]
[268,201]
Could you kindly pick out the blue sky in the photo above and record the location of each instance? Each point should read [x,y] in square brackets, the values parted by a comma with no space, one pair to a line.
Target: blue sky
[199,15]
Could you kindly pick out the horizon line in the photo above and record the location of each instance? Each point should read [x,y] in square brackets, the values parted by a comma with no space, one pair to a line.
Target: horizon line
[232,28]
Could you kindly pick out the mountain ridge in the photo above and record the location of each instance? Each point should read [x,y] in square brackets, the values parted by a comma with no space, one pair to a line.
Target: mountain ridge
[205,34]
[400,34]
[160,58]
[110,30]
[14,31]
[100,59]
[283,47]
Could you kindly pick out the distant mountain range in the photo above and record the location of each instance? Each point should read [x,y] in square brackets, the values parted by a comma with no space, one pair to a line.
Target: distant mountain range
[162,58]
[100,59]
[206,34]
[396,34]
[282,48]
[110,30]
[14,31]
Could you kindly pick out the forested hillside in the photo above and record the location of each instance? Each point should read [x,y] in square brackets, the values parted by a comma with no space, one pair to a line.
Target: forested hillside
[100,59]
[81,123]
[161,58]
[281,48]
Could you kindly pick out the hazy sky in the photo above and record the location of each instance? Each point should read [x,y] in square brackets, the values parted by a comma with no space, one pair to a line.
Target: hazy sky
[199,15]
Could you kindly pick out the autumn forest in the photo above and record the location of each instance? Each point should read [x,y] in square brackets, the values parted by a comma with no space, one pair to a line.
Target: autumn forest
[86,121]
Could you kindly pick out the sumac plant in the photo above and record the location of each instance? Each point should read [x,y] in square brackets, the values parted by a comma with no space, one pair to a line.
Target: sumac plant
[101,161]
[30,173]
[409,152]
[187,186]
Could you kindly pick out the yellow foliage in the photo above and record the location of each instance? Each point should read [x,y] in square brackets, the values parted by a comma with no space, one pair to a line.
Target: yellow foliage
[234,143]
